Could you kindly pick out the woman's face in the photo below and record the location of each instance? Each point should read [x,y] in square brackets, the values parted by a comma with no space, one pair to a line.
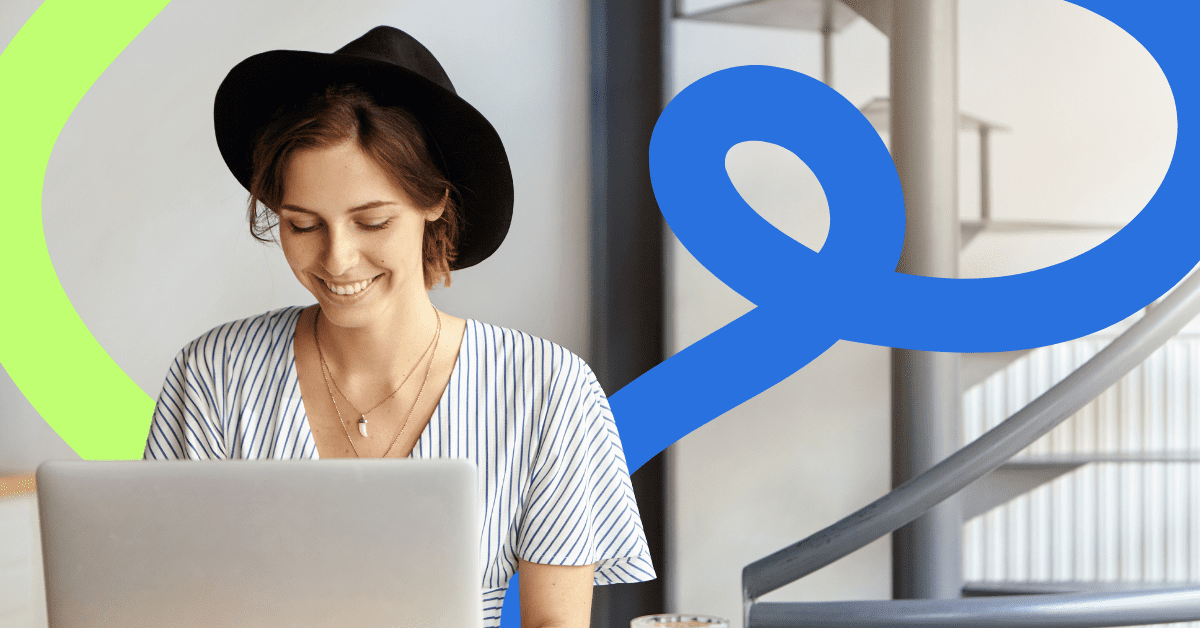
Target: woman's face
[352,238]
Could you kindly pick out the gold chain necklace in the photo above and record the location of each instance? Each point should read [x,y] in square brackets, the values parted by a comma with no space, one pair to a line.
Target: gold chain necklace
[362,421]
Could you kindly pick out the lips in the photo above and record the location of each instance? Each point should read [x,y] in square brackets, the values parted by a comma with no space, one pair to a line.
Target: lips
[349,289]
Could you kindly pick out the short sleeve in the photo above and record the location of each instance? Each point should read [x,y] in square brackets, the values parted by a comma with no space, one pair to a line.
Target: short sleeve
[580,508]
[186,421]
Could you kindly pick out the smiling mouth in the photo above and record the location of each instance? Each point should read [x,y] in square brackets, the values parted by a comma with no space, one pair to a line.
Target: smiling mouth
[349,289]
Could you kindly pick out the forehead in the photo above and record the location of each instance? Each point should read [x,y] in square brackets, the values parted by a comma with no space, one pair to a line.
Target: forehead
[336,178]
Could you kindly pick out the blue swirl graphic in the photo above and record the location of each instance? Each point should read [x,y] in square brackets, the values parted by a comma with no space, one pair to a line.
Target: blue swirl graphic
[806,300]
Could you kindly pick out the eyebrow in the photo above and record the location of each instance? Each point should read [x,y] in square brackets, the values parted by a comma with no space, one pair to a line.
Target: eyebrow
[363,207]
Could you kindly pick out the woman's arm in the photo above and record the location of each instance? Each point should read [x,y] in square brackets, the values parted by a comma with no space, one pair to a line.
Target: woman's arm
[555,596]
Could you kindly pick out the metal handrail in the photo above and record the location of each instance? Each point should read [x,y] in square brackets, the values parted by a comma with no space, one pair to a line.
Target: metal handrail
[913,498]
[1069,610]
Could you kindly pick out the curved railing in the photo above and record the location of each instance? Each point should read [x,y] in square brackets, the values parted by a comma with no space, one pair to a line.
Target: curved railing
[1071,610]
[913,498]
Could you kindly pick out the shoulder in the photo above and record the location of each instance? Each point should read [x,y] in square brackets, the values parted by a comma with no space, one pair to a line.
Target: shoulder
[224,386]
[522,352]
[545,382]
[258,335]
[256,329]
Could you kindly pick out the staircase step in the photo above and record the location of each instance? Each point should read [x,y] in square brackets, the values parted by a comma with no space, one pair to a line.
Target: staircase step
[974,368]
[878,112]
[972,228]
[1011,480]
[1021,475]
[989,589]
[808,15]
[1077,459]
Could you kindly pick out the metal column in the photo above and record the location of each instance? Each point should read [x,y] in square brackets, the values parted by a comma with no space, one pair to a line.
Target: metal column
[985,173]
[927,553]
[827,42]
[626,38]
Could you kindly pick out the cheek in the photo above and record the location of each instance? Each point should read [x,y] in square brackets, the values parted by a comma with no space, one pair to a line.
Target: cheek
[296,252]
[289,249]
[404,248]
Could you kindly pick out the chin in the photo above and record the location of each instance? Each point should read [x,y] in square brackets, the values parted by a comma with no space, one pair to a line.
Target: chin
[348,317]
[347,314]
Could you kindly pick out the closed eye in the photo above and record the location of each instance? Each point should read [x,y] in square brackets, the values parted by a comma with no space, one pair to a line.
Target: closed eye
[376,226]
[303,228]
[307,227]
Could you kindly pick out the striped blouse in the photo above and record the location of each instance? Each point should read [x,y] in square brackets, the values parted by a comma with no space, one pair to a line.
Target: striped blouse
[530,414]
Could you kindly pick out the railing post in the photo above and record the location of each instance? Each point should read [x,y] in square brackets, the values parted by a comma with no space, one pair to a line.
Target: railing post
[927,553]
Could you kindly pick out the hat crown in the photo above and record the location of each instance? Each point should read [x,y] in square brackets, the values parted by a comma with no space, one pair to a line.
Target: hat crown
[394,46]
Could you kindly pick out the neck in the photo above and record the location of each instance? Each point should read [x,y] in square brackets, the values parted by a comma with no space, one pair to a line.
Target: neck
[387,347]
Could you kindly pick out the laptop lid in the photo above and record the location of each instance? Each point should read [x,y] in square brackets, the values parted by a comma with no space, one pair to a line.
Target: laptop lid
[269,544]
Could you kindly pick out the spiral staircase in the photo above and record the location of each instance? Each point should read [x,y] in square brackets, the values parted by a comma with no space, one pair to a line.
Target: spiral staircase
[1089,526]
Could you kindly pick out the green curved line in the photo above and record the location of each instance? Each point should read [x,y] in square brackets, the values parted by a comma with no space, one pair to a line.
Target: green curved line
[45,347]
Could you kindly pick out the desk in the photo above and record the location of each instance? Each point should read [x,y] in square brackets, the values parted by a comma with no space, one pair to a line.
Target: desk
[13,485]
[22,590]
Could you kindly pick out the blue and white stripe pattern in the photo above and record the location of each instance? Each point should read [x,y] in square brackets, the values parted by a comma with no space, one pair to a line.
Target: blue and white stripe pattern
[530,414]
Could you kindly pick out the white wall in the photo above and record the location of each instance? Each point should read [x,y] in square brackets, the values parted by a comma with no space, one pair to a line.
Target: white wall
[1093,126]
[146,226]
[1093,130]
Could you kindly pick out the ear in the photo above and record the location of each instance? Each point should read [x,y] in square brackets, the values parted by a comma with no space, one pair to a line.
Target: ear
[435,212]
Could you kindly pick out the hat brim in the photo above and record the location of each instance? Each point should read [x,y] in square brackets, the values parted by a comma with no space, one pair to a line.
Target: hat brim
[465,143]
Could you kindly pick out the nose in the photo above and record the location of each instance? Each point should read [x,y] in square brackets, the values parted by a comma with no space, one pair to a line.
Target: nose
[341,252]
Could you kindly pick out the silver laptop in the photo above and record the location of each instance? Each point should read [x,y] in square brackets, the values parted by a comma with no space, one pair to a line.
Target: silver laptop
[268,544]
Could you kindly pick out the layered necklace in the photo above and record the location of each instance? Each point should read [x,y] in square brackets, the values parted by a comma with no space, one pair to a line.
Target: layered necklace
[331,385]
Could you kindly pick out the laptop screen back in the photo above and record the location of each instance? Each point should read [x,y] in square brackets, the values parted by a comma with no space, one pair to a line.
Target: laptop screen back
[269,544]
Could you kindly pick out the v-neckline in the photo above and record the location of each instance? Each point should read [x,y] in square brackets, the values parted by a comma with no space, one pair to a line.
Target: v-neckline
[438,411]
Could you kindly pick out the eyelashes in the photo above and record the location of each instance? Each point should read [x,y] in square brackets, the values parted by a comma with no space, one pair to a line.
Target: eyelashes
[298,229]
[379,226]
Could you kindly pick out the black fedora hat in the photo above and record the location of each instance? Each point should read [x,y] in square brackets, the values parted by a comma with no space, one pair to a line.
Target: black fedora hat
[397,71]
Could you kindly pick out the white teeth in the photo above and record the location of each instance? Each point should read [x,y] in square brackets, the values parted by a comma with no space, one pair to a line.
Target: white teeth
[353,288]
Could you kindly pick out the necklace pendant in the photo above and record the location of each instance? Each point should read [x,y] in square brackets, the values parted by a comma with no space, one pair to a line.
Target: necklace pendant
[362,425]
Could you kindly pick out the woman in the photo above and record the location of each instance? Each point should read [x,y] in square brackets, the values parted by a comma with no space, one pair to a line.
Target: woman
[381,181]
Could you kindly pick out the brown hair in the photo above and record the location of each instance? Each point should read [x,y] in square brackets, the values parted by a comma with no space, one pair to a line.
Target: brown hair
[391,136]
